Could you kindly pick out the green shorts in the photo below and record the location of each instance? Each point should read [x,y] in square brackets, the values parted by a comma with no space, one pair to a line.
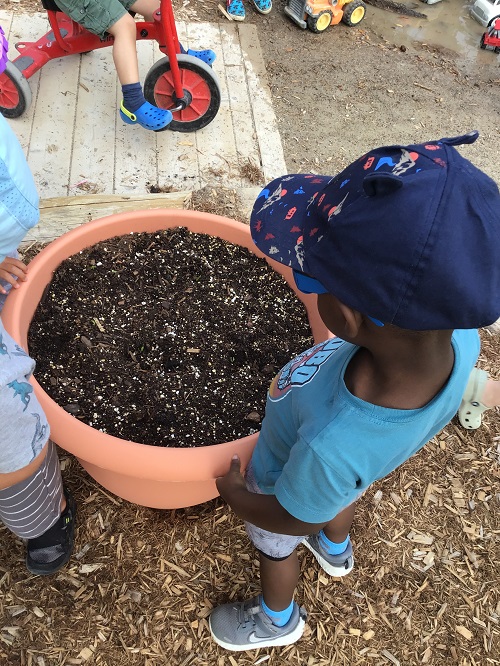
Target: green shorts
[95,15]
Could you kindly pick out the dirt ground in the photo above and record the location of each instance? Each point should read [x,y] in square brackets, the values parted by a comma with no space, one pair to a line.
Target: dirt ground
[425,585]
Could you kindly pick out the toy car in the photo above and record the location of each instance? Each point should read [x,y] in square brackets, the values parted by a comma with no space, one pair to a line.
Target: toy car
[318,15]
[491,38]
[485,11]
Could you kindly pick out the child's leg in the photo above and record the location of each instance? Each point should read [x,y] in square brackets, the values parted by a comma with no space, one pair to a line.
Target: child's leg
[134,108]
[34,506]
[278,579]
[332,546]
[491,394]
[124,49]
[112,17]
[273,617]
[338,528]
[147,8]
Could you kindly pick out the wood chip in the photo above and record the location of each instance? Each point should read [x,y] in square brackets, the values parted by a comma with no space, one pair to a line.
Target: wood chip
[388,655]
[98,324]
[86,653]
[463,631]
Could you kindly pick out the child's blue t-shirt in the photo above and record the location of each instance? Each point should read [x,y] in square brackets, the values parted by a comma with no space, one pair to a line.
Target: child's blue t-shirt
[18,194]
[320,446]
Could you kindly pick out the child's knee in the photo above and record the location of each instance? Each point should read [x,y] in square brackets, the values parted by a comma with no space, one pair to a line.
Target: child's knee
[123,26]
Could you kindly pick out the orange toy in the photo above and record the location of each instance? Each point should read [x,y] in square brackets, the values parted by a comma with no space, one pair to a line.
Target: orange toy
[318,15]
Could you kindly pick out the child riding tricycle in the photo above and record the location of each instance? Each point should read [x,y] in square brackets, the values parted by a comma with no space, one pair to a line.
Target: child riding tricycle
[181,92]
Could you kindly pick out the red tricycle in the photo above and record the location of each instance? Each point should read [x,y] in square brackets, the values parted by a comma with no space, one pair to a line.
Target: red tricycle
[491,38]
[182,83]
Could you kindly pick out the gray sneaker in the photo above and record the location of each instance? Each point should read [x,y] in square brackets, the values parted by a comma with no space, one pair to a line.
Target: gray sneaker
[335,565]
[243,625]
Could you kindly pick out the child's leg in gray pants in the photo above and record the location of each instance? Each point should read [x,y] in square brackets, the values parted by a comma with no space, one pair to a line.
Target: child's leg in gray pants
[30,507]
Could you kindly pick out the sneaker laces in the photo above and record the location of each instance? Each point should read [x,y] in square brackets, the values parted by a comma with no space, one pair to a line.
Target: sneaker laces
[247,610]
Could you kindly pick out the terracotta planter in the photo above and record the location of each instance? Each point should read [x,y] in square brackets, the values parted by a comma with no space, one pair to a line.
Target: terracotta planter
[159,477]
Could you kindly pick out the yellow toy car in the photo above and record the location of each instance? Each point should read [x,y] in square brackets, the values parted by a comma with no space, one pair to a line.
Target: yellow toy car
[318,15]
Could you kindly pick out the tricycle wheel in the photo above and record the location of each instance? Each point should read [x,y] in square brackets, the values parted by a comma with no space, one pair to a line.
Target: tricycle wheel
[481,43]
[15,92]
[201,92]
[320,22]
[354,12]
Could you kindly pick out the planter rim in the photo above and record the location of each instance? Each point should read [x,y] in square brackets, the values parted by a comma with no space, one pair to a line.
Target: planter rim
[171,463]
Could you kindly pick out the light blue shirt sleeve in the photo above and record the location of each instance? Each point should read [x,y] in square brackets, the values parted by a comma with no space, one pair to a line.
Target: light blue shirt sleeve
[18,195]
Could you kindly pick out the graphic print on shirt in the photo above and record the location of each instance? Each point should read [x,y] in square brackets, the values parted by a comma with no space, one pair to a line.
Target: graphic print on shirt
[23,390]
[300,370]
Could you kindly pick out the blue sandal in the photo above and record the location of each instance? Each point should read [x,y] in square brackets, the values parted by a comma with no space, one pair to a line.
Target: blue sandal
[148,116]
[263,6]
[236,10]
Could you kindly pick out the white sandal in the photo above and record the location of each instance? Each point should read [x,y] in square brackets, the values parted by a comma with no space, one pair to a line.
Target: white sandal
[472,408]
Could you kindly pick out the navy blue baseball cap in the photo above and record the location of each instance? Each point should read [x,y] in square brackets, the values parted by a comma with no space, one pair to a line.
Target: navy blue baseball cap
[409,235]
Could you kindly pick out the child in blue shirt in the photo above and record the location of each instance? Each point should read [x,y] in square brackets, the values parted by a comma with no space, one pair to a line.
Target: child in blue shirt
[403,250]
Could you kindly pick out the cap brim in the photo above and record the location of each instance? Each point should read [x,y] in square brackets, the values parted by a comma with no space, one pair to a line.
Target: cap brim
[308,285]
[283,213]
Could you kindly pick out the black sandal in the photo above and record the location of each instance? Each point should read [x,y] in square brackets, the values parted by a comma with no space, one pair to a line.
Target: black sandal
[52,549]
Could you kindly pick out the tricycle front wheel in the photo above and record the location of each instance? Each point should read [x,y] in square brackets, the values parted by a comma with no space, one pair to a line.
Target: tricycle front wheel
[201,92]
[15,92]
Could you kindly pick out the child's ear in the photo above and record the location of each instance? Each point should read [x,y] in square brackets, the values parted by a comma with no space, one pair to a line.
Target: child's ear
[353,320]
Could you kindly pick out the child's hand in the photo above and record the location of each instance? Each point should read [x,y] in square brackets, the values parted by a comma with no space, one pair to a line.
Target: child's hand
[12,270]
[231,482]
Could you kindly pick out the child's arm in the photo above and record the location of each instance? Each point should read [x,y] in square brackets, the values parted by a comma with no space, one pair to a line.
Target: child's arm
[261,510]
[12,270]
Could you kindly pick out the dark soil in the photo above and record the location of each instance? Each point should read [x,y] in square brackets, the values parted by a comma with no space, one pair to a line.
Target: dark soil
[168,339]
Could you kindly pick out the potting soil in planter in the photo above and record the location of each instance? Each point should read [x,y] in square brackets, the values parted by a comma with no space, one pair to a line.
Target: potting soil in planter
[168,339]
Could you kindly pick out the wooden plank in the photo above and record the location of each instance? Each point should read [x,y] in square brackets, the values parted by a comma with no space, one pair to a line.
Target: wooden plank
[247,146]
[49,155]
[177,157]
[216,144]
[271,150]
[136,148]
[60,214]
[231,47]
[93,158]
[18,28]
